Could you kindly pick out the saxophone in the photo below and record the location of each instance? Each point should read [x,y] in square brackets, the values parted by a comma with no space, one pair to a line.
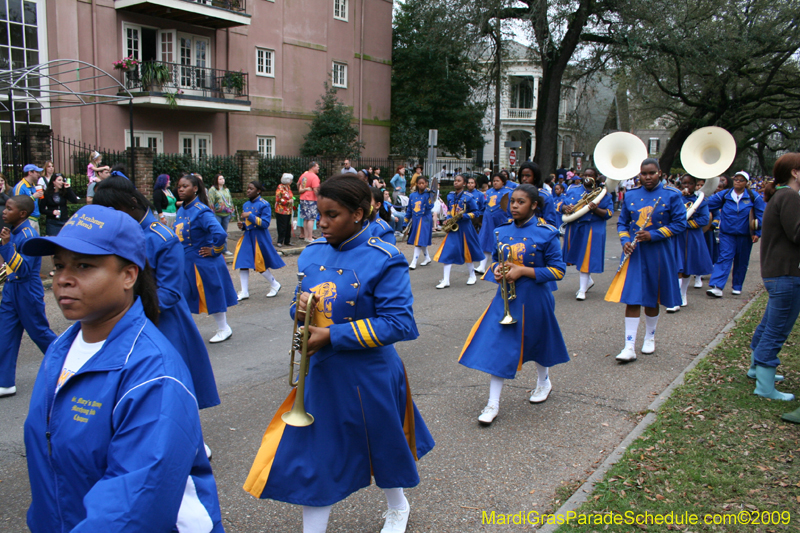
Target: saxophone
[451,224]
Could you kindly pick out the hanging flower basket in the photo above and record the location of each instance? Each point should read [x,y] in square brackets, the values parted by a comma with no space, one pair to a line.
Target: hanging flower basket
[126,64]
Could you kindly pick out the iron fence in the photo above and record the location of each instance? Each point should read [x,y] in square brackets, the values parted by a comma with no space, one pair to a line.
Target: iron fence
[14,154]
[72,158]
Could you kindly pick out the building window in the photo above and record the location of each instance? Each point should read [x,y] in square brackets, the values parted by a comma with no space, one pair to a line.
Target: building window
[654,142]
[340,75]
[195,144]
[23,44]
[265,61]
[150,139]
[340,10]
[266,146]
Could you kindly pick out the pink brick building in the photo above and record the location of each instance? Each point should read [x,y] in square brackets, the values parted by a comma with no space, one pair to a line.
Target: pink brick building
[245,74]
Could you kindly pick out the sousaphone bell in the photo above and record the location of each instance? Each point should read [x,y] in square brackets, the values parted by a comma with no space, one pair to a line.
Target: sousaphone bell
[707,153]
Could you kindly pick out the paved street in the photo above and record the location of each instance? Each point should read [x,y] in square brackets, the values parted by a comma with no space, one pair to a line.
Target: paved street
[514,465]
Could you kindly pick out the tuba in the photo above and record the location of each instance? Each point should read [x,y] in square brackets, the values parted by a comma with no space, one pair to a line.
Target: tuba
[707,153]
[507,289]
[298,416]
[3,273]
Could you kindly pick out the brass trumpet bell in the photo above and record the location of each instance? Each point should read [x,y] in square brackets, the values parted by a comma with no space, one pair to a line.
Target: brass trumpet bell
[298,416]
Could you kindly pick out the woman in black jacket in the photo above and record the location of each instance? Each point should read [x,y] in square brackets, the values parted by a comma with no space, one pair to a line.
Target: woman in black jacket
[54,204]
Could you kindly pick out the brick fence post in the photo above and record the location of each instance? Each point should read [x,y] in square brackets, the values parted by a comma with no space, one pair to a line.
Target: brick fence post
[248,166]
[39,143]
[142,159]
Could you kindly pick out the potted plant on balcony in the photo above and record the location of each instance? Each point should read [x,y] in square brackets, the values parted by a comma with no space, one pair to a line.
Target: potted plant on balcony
[129,65]
[155,75]
[233,84]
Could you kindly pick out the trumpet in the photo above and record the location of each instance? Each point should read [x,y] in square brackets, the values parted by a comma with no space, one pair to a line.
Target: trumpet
[298,416]
[507,288]
[3,273]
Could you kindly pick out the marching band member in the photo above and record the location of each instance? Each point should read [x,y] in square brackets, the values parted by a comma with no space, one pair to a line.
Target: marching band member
[22,304]
[534,259]
[254,249]
[480,200]
[377,225]
[558,199]
[461,245]
[530,172]
[113,436]
[207,285]
[493,215]
[585,238]
[741,211]
[365,422]
[690,246]
[418,214]
[165,257]
[653,213]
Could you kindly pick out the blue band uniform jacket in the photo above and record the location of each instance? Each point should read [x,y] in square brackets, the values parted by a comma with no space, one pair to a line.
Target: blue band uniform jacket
[22,303]
[419,213]
[207,284]
[493,215]
[547,207]
[119,447]
[460,246]
[254,250]
[365,421]
[381,229]
[691,249]
[165,255]
[649,276]
[585,238]
[500,350]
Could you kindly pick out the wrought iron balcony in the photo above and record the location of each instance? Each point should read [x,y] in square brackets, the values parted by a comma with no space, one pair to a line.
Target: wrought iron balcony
[156,83]
[209,13]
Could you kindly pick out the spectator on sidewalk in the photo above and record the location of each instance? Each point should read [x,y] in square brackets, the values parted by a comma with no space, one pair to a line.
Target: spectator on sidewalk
[100,175]
[47,173]
[284,203]
[54,204]
[307,186]
[222,204]
[780,257]
[398,182]
[28,186]
[164,201]
[4,189]
[377,180]
[347,168]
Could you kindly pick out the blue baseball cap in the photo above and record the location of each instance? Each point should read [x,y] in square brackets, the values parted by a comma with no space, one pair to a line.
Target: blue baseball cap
[95,230]
[28,168]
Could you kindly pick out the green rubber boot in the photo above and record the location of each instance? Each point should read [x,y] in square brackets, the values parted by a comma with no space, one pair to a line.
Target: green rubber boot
[765,385]
[794,416]
[752,372]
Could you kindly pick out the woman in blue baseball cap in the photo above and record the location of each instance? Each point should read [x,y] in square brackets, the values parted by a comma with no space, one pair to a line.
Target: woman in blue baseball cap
[113,432]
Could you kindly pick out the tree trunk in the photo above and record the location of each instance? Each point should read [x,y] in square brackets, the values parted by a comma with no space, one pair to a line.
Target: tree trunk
[547,119]
[498,88]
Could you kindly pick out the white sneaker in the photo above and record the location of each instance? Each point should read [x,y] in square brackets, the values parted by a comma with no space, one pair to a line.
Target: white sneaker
[426,261]
[274,291]
[734,291]
[208,451]
[580,295]
[673,309]
[542,392]
[627,355]
[698,282]
[413,265]
[242,296]
[684,300]
[228,253]
[649,345]
[713,291]
[396,520]
[488,414]
[222,335]
[8,391]
[591,284]
[443,284]
[472,280]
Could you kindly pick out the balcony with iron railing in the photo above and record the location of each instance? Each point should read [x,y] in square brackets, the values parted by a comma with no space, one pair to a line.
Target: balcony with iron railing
[216,14]
[515,113]
[171,85]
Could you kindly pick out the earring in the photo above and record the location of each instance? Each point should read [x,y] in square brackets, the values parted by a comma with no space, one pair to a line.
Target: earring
[358,222]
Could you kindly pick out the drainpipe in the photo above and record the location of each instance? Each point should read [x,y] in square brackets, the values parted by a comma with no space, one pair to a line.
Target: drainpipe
[361,77]
[228,113]
[94,81]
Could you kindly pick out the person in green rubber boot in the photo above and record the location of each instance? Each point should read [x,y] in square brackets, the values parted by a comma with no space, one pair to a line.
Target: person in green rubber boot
[780,270]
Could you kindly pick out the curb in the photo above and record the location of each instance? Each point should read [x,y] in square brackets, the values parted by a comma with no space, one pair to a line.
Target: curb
[584,491]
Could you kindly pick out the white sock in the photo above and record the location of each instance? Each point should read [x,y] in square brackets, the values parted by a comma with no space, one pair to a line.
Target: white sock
[631,327]
[684,286]
[543,375]
[416,254]
[315,519]
[485,262]
[222,321]
[244,279]
[446,274]
[650,323]
[427,255]
[585,279]
[269,277]
[495,388]
[395,499]
[471,270]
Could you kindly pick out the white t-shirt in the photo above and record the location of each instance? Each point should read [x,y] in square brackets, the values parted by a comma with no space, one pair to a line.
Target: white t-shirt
[736,197]
[80,352]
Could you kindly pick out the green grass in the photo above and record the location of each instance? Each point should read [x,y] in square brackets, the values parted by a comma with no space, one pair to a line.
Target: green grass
[715,448]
